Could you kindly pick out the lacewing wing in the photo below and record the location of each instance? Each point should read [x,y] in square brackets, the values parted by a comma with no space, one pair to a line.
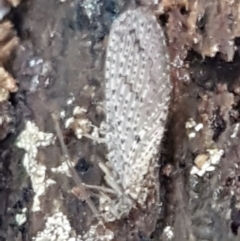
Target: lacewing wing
[137,98]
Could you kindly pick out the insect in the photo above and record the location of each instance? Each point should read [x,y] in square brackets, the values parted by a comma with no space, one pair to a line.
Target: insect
[137,93]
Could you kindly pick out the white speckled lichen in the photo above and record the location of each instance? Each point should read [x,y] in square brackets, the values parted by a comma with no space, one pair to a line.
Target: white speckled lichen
[168,233]
[30,139]
[206,162]
[192,128]
[57,228]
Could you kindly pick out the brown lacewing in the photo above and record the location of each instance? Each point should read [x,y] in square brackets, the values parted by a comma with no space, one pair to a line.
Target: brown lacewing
[137,98]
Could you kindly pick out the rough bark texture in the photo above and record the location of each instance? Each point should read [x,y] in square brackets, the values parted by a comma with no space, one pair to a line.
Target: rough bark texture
[58,66]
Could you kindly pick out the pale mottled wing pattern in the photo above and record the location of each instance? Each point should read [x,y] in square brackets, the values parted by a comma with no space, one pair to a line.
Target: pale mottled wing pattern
[137,95]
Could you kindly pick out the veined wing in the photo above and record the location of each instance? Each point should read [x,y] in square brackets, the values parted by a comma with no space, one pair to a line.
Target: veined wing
[137,94]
